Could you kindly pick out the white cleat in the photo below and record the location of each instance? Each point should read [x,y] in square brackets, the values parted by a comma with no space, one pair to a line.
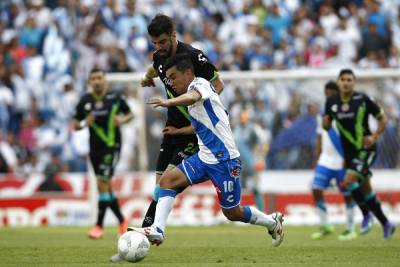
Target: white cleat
[277,232]
[154,234]
[116,258]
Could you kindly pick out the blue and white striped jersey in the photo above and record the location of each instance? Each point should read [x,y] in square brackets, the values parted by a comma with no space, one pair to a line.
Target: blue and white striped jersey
[211,124]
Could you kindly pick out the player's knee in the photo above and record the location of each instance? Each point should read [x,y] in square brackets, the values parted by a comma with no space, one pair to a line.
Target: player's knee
[232,214]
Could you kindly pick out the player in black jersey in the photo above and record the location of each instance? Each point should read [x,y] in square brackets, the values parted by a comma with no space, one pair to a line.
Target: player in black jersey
[350,110]
[103,112]
[179,140]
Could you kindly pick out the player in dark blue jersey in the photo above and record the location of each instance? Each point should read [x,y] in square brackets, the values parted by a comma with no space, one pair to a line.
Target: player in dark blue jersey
[350,110]
[179,140]
[103,112]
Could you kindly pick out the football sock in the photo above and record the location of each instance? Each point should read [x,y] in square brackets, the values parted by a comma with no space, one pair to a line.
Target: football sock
[253,216]
[104,200]
[375,206]
[149,217]
[151,210]
[114,205]
[364,208]
[164,206]
[350,215]
[322,212]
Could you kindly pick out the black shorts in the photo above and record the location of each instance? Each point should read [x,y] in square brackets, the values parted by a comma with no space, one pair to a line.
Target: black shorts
[360,163]
[104,163]
[173,154]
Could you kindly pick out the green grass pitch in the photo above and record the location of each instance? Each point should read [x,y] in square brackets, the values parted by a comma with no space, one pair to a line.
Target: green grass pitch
[227,245]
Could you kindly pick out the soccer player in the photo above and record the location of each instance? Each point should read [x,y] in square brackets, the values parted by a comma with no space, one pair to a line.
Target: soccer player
[331,166]
[350,110]
[218,158]
[103,112]
[179,140]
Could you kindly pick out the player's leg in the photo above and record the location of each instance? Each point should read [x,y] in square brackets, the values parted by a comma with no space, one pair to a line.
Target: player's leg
[226,179]
[349,233]
[374,204]
[109,166]
[190,171]
[163,160]
[104,198]
[320,182]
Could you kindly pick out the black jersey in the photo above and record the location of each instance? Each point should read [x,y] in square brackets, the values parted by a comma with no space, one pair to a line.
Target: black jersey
[104,134]
[179,116]
[351,118]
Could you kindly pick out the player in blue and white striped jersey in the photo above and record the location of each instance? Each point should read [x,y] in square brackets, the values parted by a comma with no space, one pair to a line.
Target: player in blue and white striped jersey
[218,158]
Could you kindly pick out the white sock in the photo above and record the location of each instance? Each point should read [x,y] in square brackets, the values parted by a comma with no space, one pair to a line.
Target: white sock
[323,216]
[260,218]
[164,207]
[350,217]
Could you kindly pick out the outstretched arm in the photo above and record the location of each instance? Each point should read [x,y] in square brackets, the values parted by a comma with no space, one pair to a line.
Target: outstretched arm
[186,99]
[148,81]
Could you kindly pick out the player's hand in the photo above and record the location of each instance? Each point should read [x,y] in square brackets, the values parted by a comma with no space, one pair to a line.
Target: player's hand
[156,102]
[171,130]
[90,119]
[118,120]
[147,82]
[369,140]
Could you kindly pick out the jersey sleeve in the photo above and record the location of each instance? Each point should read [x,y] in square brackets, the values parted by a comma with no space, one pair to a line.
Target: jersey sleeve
[79,111]
[202,66]
[373,108]
[203,87]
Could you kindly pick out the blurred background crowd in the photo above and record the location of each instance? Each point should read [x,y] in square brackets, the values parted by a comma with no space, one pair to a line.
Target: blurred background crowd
[49,47]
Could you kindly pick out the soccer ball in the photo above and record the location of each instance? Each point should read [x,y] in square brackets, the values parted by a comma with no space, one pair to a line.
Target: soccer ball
[133,246]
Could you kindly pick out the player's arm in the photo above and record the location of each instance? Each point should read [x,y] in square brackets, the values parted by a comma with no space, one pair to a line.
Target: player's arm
[185,99]
[122,119]
[171,130]
[380,116]
[148,79]
[327,117]
[86,122]
[218,84]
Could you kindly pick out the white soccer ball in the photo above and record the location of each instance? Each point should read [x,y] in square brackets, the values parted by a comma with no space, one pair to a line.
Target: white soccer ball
[133,246]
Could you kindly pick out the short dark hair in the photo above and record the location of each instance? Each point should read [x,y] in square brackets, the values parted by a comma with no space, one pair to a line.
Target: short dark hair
[347,71]
[181,61]
[161,24]
[331,85]
[96,69]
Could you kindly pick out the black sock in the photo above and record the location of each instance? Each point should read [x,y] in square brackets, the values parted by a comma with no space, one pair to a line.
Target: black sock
[358,197]
[375,206]
[115,208]
[364,208]
[102,207]
[151,212]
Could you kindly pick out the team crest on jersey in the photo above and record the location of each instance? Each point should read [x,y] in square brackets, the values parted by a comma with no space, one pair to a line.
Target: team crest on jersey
[99,105]
[334,108]
[88,106]
[345,107]
[160,69]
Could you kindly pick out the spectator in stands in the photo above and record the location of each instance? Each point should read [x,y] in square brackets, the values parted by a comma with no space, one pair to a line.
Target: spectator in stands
[52,169]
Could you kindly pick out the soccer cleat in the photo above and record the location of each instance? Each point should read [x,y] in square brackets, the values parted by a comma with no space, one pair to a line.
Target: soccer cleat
[388,230]
[154,234]
[347,235]
[96,232]
[277,232]
[122,227]
[323,232]
[116,258]
[366,224]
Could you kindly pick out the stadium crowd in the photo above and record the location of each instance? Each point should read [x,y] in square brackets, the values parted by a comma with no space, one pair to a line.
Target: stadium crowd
[49,47]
